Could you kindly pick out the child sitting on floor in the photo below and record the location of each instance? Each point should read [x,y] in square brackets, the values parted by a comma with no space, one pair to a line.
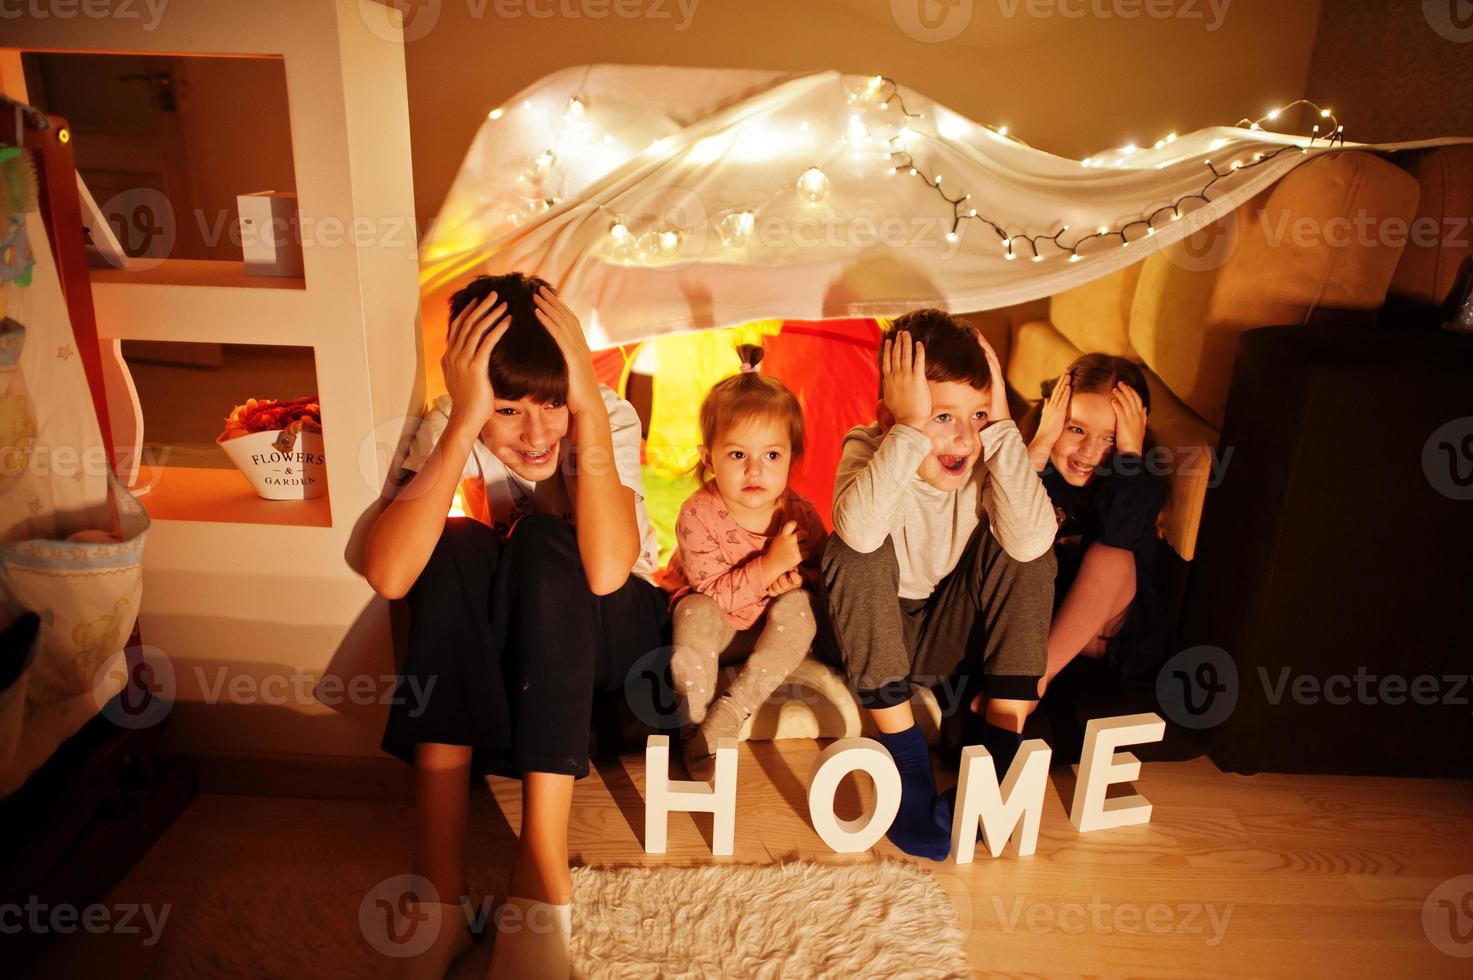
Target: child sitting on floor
[1087,446]
[746,548]
[941,565]
[1088,450]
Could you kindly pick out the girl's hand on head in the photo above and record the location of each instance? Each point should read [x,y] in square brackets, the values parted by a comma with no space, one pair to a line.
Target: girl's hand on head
[1055,411]
[1130,419]
[998,409]
[903,380]
[561,322]
[1051,423]
[466,362]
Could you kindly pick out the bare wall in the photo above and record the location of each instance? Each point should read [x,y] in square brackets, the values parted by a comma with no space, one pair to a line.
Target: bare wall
[1068,76]
[1396,69]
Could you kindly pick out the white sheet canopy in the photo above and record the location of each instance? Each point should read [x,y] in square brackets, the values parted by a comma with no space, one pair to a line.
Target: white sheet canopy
[669,199]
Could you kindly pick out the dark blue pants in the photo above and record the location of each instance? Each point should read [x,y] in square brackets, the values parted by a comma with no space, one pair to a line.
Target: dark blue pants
[508,648]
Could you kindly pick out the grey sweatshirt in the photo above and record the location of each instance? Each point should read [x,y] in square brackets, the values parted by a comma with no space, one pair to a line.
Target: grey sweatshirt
[877,494]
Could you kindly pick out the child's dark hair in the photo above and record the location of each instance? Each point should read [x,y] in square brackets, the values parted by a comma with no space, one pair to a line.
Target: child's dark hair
[952,351]
[526,362]
[1091,374]
[748,395]
[1098,374]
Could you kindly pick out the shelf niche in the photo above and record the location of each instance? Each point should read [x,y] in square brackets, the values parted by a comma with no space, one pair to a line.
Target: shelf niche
[185,391]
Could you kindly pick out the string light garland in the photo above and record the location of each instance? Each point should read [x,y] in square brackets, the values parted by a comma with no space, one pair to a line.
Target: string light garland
[903,159]
[736,226]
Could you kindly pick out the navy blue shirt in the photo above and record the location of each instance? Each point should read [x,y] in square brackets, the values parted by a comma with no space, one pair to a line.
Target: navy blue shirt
[1117,508]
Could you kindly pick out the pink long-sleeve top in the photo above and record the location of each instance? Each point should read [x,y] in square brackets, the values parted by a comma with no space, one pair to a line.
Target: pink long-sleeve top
[717,557]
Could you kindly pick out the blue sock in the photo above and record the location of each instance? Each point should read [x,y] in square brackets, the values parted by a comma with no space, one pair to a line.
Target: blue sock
[1004,746]
[913,830]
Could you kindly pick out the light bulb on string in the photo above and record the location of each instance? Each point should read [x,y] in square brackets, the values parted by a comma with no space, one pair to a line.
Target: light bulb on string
[575,108]
[813,186]
[735,227]
[866,93]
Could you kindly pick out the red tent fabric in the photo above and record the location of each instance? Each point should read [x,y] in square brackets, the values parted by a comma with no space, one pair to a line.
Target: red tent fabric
[832,366]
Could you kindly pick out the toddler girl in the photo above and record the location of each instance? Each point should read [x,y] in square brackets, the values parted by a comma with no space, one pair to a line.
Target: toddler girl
[745,559]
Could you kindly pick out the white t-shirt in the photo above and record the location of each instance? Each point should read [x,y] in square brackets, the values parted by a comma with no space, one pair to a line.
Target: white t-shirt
[509,497]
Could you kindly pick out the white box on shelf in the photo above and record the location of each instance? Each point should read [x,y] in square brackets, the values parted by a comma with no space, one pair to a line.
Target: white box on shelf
[268,233]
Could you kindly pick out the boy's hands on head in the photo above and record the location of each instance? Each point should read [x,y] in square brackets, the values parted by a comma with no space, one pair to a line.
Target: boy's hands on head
[784,553]
[998,408]
[1130,419]
[563,324]
[466,362]
[1051,424]
[906,394]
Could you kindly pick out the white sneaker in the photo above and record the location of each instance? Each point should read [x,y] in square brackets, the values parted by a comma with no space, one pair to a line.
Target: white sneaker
[532,941]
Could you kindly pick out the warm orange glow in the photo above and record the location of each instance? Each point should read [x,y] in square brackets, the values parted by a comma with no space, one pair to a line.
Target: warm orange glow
[457,505]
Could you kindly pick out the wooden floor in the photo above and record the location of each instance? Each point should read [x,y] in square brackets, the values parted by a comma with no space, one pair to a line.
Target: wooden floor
[1235,876]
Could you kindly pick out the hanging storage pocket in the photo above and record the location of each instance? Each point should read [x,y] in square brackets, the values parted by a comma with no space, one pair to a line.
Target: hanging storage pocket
[86,589]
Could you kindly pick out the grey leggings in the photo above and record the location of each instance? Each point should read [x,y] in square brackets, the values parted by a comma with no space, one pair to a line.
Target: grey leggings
[704,640]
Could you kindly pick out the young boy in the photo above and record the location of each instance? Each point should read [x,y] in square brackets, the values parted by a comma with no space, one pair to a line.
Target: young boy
[942,554]
[514,624]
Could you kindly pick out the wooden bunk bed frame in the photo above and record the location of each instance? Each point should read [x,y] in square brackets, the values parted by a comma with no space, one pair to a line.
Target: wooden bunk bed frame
[104,796]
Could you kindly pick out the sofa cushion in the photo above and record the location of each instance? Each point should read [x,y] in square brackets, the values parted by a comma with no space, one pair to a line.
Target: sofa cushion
[1440,237]
[1095,317]
[1186,450]
[1039,352]
[1286,257]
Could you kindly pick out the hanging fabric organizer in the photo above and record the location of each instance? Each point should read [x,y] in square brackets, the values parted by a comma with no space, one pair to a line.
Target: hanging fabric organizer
[71,537]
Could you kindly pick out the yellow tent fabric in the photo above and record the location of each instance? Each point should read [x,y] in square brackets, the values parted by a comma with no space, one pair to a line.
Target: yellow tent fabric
[685,366]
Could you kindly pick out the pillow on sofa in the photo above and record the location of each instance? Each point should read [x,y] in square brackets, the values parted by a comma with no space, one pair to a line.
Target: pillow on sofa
[1282,258]
[1440,237]
[1096,315]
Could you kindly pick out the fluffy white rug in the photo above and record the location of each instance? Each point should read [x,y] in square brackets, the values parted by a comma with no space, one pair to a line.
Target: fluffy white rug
[879,919]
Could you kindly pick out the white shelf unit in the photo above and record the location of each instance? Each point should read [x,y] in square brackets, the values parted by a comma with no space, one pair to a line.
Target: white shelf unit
[263,600]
